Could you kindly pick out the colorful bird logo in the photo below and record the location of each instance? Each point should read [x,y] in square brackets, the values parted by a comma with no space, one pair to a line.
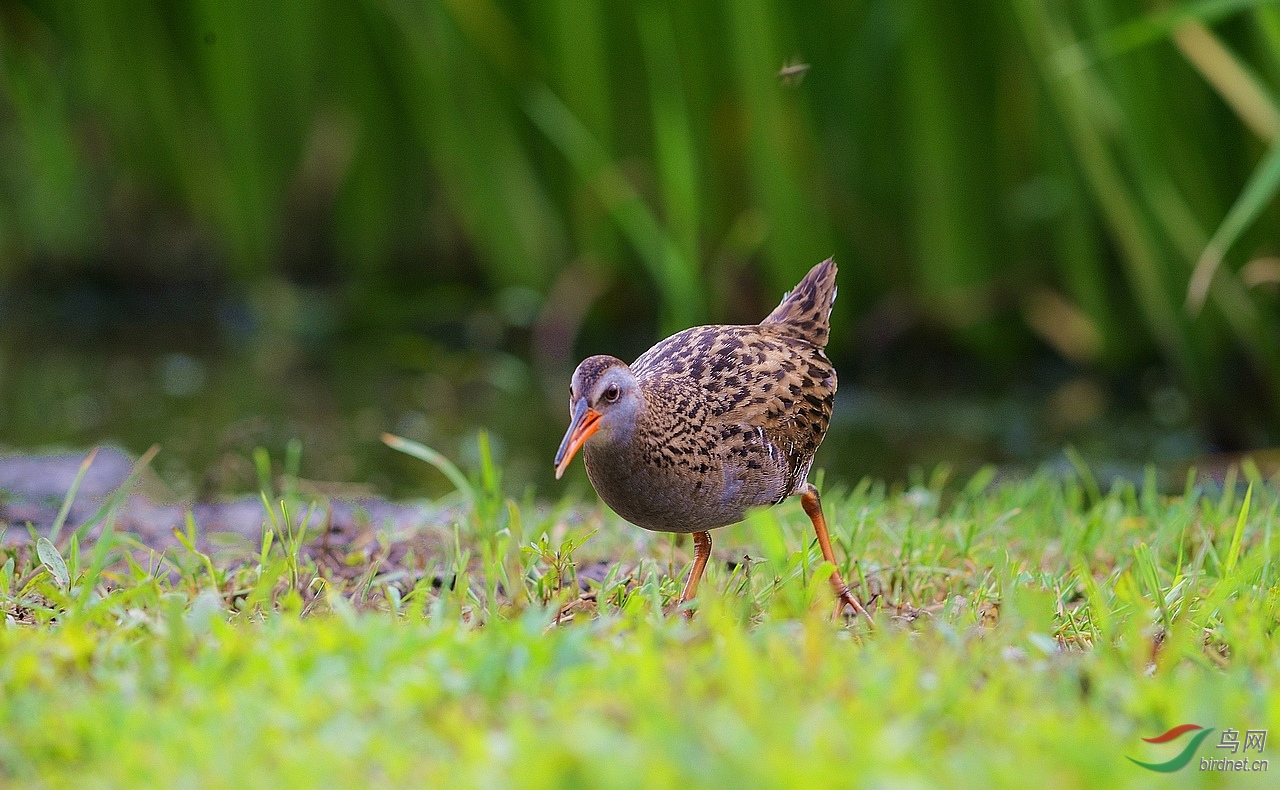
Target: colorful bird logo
[1180,761]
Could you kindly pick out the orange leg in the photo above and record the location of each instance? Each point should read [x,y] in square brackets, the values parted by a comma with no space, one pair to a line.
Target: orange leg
[701,553]
[813,508]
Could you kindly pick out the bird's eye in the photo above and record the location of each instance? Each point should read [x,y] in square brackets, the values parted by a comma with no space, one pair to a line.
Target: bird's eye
[611,394]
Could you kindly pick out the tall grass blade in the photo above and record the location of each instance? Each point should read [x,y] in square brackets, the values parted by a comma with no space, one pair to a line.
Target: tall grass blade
[1235,82]
[70,498]
[118,496]
[674,276]
[424,453]
[1081,102]
[672,132]
[1149,29]
[1257,195]
[1234,553]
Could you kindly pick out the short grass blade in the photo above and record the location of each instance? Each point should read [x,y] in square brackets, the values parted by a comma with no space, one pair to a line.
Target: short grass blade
[52,560]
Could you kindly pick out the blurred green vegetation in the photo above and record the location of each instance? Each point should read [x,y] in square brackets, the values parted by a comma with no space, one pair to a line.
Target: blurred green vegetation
[1018,178]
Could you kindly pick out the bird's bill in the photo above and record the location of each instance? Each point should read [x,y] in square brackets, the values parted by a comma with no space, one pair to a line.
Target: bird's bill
[586,421]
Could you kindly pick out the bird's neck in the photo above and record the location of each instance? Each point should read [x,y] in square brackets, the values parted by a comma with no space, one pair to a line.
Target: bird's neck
[621,444]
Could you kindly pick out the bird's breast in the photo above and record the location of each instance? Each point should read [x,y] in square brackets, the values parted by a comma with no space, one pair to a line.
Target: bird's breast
[692,491]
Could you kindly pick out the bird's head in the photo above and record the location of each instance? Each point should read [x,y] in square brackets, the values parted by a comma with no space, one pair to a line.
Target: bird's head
[604,398]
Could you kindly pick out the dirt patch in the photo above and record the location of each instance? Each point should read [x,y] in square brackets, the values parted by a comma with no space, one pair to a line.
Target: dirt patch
[33,487]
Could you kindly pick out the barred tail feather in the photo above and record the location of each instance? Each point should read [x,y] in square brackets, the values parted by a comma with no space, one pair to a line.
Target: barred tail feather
[806,311]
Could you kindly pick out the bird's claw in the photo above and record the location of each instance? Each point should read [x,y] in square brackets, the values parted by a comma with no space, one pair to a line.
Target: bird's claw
[845,596]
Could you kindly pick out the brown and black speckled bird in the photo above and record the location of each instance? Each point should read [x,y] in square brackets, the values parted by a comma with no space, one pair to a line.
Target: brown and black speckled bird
[712,421]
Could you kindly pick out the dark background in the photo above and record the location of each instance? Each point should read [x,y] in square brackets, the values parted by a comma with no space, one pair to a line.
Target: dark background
[225,224]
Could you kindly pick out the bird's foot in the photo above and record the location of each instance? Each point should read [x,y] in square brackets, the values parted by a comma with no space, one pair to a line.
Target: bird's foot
[681,607]
[845,597]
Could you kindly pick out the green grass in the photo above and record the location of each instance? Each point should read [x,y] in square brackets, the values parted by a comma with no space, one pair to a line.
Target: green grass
[1026,631]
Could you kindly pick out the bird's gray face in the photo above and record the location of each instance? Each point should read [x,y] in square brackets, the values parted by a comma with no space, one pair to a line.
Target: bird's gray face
[604,398]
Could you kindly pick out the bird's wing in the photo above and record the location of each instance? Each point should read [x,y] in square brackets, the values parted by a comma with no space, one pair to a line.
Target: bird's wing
[788,412]
[760,395]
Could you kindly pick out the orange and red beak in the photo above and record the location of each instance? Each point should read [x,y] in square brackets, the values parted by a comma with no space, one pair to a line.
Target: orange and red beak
[586,421]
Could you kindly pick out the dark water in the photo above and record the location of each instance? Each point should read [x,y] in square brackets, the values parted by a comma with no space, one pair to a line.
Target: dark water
[211,376]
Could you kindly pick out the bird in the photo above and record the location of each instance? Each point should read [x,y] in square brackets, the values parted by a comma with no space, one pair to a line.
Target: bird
[712,422]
